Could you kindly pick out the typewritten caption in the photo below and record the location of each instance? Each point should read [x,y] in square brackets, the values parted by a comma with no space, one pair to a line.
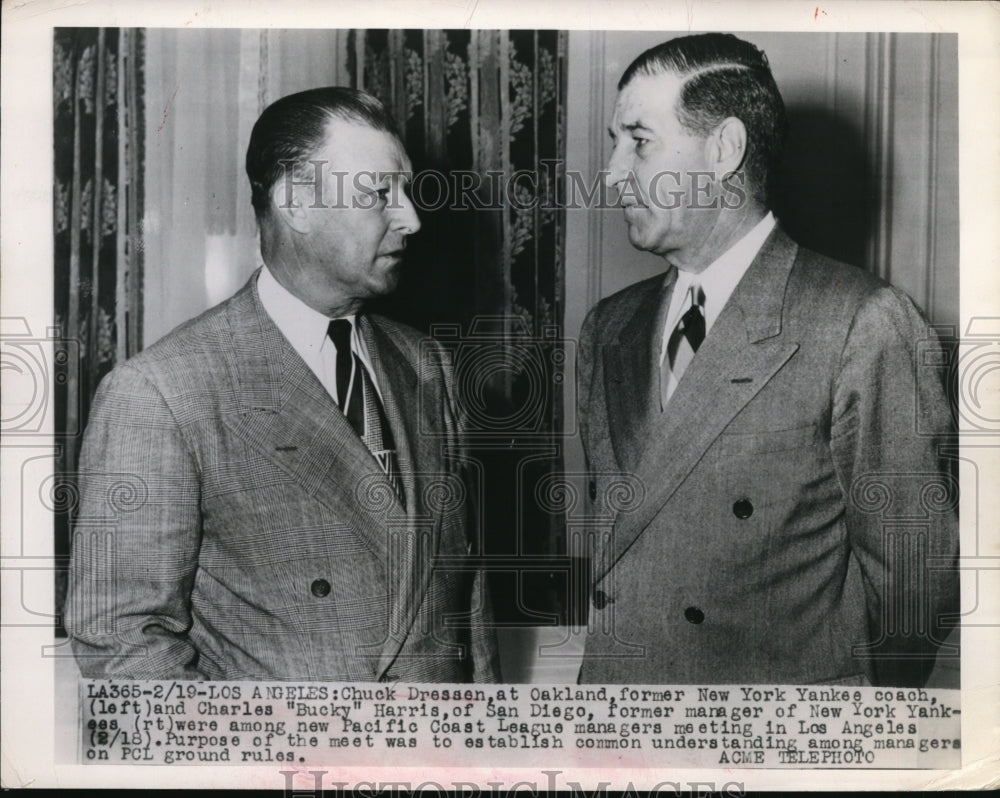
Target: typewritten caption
[251,723]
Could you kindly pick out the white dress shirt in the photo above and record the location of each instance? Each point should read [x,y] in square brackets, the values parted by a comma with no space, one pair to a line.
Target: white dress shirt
[718,280]
[305,330]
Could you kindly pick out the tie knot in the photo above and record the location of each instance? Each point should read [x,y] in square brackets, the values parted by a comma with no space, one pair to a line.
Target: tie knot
[697,294]
[340,333]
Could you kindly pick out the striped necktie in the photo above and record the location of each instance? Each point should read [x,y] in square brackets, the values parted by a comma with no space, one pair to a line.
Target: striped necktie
[360,403]
[683,343]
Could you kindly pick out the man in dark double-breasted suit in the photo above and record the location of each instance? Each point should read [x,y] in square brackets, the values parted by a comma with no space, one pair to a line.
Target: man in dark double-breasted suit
[794,521]
[297,507]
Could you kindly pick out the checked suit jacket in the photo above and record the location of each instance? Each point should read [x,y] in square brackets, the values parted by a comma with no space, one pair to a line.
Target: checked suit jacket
[233,526]
[788,517]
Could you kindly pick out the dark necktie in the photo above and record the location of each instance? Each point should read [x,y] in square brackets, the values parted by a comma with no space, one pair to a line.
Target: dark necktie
[684,341]
[360,403]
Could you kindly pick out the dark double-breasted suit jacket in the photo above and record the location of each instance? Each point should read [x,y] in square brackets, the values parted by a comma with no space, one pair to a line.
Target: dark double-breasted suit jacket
[787,517]
[233,526]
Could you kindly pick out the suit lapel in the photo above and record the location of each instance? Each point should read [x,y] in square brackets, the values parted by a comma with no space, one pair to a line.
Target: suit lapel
[631,373]
[285,414]
[741,353]
[413,420]
[397,381]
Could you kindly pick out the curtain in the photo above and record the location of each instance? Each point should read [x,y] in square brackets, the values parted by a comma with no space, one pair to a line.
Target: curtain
[484,119]
[97,201]
[480,102]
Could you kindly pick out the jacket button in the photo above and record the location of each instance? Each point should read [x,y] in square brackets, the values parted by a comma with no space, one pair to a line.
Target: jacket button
[601,599]
[743,509]
[694,615]
[320,588]
[592,490]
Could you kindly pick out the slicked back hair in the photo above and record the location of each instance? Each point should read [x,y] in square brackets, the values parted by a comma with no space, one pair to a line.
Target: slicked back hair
[291,130]
[723,76]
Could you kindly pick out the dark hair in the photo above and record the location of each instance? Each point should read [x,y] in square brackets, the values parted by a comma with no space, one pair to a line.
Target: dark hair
[295,127]
[723,76]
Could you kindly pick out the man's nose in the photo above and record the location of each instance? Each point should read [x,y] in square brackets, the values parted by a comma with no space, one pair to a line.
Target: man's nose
[617,171]
[405,219]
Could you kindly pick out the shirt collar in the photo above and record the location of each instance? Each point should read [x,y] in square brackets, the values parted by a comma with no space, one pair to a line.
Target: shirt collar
[721,277]
[304,327]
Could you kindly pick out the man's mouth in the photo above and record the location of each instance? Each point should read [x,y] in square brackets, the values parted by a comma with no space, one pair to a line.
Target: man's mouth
[631,203]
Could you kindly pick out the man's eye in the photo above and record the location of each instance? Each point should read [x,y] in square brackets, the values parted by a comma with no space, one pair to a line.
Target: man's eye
[639,141]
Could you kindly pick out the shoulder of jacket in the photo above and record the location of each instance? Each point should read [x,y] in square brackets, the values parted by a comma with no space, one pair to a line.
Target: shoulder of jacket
[415,345]
[624,302]
[203,336]
[429,357]
[813,270]
[821,288]
[399,330]
[843,299]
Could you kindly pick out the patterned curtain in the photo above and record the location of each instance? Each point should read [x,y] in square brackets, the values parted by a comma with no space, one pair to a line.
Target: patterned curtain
[97,198]
[483,115]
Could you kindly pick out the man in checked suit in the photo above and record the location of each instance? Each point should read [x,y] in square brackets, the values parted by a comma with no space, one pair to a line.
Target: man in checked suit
[297,512]
[796,524]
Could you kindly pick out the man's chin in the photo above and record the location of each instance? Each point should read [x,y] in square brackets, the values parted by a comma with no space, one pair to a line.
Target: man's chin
[387,284]
[636,238]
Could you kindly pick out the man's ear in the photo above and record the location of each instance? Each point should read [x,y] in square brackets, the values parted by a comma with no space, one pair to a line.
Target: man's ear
[287,206]
[728,146]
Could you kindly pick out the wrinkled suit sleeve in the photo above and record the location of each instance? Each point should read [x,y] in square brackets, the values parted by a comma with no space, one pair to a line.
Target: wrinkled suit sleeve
[890,417]
[136,538]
